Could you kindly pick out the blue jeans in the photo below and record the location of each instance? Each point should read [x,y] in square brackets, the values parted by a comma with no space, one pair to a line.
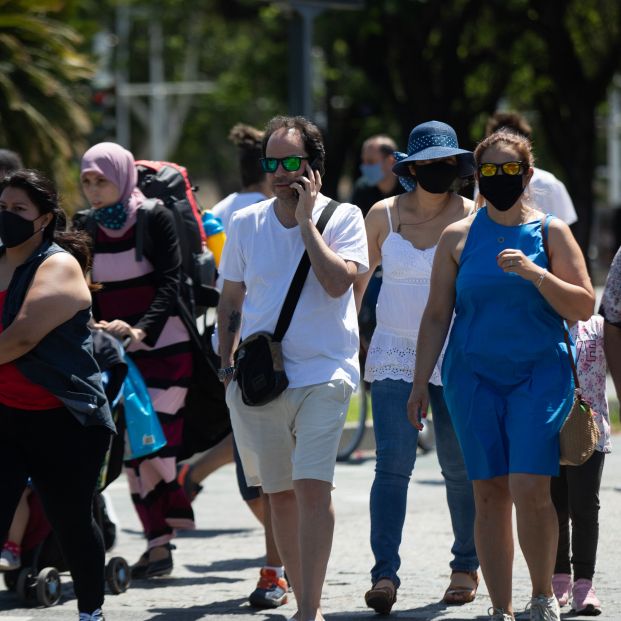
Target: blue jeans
[396,441]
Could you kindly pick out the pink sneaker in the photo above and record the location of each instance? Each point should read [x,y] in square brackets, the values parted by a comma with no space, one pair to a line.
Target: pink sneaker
[584,600]
[561,584]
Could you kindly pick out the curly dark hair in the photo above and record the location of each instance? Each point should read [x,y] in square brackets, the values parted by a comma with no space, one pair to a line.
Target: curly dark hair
[513,121]
[248,139]
[311,136]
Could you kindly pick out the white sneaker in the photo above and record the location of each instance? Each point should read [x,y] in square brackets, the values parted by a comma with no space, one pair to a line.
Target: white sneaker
[543,608]
[9,560]
[96,615]
[498,614]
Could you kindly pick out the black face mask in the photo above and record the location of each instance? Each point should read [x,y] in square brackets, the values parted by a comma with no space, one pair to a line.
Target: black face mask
[502,191]
[15,230]
[436,178]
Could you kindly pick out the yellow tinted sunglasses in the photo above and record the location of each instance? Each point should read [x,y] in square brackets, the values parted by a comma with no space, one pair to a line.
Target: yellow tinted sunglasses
[508,168]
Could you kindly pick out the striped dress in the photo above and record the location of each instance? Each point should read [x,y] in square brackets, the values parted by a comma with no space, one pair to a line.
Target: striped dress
[130,293]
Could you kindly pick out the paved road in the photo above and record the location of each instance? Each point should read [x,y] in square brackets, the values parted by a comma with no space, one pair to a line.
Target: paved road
[216,566]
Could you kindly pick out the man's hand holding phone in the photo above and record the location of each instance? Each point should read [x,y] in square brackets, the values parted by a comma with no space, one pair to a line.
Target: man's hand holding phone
[307,188]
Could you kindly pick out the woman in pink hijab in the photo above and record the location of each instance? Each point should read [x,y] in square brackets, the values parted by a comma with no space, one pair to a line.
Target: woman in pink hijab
[139,300]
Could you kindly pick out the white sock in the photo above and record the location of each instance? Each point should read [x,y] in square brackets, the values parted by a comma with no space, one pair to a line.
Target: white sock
[280,571]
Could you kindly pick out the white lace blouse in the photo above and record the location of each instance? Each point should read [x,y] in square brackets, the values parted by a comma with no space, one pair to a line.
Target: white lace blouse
[400,305]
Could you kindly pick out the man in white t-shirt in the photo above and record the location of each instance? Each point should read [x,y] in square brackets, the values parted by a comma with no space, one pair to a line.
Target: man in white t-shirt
[289,445]
[548,193]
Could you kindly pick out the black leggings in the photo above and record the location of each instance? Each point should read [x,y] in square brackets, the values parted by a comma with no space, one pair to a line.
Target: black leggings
[575,493]
[63,458]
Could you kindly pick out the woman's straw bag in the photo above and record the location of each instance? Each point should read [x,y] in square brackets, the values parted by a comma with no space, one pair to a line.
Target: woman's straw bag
[579,434]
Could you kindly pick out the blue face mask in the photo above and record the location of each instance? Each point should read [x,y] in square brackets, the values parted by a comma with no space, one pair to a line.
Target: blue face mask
[111,217]
[372,173]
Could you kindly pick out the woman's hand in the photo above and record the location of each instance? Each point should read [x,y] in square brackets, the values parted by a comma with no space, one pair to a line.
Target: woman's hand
[417,406]
[512,260]
[122,330]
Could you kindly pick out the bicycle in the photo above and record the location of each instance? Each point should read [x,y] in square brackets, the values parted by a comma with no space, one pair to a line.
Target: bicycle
[349,447]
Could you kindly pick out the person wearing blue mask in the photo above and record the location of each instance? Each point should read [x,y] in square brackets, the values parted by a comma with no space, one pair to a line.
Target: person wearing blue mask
[377,181]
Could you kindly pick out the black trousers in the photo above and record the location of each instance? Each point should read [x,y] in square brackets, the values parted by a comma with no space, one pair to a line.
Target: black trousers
[575,493]
[63,458]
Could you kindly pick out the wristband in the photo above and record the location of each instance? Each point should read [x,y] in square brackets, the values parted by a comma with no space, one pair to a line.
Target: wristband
[225,372]
[541,278]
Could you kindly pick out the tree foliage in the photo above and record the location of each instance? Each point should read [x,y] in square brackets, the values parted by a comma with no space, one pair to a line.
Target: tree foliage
[385,68]
[41,116]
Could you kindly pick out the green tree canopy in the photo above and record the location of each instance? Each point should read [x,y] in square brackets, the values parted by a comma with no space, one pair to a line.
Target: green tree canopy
[40,77]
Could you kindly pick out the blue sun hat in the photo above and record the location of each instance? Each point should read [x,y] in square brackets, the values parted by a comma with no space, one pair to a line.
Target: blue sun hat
[429,141]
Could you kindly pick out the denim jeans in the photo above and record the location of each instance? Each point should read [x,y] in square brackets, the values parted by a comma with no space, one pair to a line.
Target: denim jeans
[396,441]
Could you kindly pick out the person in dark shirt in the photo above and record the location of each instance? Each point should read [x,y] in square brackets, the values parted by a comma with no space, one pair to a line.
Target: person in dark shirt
[377,181]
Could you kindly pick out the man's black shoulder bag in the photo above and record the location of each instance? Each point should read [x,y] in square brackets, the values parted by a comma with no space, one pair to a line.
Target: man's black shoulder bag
[259,366]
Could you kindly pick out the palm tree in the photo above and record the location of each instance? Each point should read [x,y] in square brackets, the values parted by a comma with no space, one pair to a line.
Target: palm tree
[40,74]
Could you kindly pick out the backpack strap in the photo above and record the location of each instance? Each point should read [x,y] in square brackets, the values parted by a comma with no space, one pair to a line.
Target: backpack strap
[142,214]
[85,221]
[295,289]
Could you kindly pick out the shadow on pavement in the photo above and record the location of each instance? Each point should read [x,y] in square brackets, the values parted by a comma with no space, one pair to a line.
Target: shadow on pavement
[198,533]
[227,607]
[211,532]
[427,613]
[159,583]
[234,564]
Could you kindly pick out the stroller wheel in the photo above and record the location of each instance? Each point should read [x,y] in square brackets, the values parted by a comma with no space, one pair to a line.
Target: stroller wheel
[10,579]
[24,587]
[118,575]
[48,587]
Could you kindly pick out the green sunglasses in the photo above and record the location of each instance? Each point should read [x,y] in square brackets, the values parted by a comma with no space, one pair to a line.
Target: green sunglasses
[290,163]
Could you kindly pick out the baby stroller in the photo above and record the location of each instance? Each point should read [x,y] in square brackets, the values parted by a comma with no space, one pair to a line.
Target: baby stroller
[37,581]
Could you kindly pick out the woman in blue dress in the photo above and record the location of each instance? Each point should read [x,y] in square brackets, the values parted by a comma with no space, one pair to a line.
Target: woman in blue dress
[506,371]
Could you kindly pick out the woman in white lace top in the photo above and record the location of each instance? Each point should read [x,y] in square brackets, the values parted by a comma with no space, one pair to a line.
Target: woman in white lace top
[402,234]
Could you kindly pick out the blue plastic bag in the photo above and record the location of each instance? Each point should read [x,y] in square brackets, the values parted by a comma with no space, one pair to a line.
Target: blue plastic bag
[144,431]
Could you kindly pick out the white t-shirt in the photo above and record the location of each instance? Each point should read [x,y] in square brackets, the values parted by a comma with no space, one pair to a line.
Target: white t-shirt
[550,196]
[230,204]
[321,343]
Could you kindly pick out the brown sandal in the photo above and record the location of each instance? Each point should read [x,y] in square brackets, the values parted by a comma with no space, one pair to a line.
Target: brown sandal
[462,589]
[382,598]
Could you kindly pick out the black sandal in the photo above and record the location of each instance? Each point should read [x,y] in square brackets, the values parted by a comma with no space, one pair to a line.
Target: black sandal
[139,569]
[161,567]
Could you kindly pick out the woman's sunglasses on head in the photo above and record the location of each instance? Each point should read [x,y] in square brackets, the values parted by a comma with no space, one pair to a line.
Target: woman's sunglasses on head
[508,168]
[290,163]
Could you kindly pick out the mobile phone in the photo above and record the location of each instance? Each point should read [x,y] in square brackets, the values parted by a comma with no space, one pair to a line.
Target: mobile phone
[314,166]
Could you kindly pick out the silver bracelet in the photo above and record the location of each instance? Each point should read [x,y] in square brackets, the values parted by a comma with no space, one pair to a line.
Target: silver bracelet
[541,278]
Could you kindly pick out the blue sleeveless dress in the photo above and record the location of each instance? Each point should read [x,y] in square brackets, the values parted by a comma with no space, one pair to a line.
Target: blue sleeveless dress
[506,373]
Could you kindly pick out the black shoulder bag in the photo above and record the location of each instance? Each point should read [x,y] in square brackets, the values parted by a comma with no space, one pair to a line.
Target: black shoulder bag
[259,366]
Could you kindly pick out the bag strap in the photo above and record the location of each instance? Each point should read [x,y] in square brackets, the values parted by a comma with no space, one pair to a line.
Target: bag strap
[544,237]
[295,288]
[141,223]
